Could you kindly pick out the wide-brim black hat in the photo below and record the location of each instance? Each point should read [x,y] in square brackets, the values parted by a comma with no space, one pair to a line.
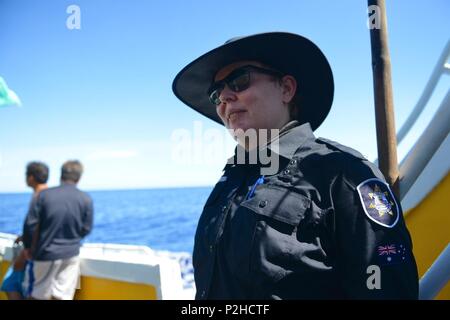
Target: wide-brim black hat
[287,52]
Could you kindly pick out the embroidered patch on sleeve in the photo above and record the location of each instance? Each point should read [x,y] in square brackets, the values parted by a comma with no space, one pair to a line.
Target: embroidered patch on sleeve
[393,253]
[378,202]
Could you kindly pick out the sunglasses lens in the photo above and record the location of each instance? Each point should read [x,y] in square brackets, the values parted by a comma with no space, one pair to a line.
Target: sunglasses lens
[214,96]
[237,81]
[240,82]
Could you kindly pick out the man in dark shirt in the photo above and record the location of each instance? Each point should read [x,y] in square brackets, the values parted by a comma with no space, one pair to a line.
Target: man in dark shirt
[36,177]
[65,216]
[319,222]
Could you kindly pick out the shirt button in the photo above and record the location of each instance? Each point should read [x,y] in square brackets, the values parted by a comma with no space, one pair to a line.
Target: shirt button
[262,203]
[211,248]
[224,208]
[287,172]
[203,294]
[293,161]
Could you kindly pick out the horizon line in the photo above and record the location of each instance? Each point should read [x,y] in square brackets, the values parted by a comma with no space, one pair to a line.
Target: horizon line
[114,189]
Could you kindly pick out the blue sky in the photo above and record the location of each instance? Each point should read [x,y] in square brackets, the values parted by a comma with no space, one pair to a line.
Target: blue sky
[102,94]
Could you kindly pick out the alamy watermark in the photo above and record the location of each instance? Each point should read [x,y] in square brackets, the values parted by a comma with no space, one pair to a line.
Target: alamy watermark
[207,146]
[374,280]
[73,21]
[374,20]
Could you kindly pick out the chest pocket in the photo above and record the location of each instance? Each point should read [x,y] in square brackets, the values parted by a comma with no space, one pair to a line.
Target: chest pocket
[263,234]
[279,204]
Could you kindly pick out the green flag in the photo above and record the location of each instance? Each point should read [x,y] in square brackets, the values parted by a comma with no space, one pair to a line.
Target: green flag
[7,96]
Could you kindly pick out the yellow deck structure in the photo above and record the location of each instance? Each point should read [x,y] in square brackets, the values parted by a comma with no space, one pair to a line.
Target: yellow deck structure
[429,225]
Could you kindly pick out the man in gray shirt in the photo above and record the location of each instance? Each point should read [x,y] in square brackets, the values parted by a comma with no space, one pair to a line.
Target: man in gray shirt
[64,215]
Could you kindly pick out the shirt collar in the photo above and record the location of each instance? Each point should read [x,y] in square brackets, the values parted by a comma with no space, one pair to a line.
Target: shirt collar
[292,136]
[67,183]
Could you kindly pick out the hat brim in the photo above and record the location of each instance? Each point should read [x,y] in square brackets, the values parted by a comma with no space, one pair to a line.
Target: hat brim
[289,53]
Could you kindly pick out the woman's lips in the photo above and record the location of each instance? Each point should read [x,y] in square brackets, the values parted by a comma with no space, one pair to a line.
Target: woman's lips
[235,114]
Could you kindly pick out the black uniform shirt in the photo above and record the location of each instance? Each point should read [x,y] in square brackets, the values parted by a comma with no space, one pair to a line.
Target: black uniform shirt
[325,226]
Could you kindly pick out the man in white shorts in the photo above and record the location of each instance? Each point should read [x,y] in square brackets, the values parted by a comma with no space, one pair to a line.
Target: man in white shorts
[63,217]
[53,279]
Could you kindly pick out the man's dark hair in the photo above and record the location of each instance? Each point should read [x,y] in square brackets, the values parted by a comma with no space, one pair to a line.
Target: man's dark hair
[38,170]
[71,171]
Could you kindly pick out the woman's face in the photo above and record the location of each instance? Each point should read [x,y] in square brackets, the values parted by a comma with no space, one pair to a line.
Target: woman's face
[263,105]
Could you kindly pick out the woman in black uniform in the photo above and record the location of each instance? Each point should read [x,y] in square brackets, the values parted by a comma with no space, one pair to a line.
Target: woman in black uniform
[293,216]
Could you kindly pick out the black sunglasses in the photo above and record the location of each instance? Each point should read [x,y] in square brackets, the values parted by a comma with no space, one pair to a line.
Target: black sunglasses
[238,80]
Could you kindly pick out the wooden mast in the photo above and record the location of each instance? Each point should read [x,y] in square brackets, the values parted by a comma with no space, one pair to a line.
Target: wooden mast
[384,106]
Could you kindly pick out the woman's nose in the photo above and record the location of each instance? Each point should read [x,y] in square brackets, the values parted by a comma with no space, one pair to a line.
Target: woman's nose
[227,95]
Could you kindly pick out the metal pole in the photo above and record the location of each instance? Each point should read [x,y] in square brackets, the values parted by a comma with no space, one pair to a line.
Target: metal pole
[384,106]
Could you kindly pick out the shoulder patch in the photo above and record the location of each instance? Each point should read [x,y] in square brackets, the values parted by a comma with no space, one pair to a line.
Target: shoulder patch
[378,202]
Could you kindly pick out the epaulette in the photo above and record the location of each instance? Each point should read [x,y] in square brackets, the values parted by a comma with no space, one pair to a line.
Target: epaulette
[339,147]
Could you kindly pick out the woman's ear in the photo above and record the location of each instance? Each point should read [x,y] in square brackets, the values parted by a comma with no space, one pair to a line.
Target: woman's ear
[289,87]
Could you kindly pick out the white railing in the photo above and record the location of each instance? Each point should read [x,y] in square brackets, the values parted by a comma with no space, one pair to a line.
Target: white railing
[437,276]
[425,147]
[442,67]
[436,132]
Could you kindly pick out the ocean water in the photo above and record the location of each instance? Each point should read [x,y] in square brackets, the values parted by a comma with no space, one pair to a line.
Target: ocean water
[163,219]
